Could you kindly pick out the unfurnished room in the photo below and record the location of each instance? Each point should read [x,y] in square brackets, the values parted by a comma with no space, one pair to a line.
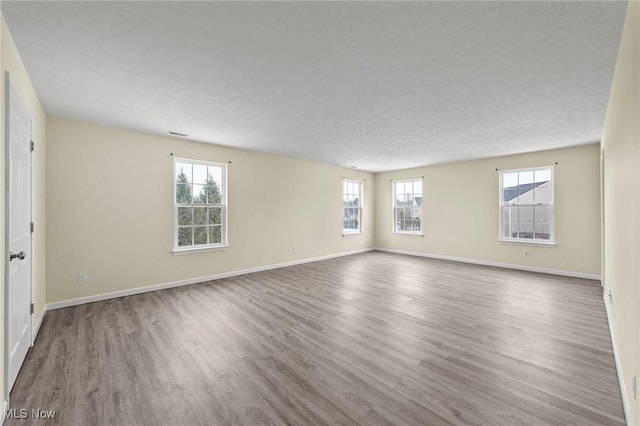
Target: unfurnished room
[320,212]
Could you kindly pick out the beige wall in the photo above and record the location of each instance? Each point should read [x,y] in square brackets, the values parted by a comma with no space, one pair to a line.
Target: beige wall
[20,80]
[621,145]
[460,211]
[110,211]
[3,347]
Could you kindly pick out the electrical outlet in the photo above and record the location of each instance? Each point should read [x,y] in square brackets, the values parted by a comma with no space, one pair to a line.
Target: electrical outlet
[527,253]
[82,278]
[610,297]
[293,250]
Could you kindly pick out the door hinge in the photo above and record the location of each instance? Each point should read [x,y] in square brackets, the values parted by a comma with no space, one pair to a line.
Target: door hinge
[33,146]
[32,227]
[33,309]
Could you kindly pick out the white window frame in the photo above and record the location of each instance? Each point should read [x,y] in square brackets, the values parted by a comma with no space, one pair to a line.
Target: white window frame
[223,205]
[508,239]
[360,184]
[394,208]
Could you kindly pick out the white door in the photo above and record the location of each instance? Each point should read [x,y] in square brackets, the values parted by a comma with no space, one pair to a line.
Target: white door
[18,233]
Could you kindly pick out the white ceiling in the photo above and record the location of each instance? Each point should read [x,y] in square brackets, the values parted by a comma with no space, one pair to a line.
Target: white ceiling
[378,85]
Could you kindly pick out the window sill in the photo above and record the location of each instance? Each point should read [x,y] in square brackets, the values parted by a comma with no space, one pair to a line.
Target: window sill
[411,234]
[349,234]
[180,252]
[528,242]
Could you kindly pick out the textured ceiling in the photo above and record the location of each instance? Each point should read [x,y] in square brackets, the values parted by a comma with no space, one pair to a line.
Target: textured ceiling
[378,85]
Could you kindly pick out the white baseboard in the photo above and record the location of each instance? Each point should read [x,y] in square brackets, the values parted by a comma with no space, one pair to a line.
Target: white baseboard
[36,330]
[139,290]
[3,414]
[497,264]
[625,399]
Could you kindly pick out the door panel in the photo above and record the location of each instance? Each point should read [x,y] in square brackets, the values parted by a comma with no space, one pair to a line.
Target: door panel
[18,304]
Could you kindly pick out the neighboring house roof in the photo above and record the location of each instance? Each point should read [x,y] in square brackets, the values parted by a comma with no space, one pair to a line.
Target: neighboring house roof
[414,202]
[514,191]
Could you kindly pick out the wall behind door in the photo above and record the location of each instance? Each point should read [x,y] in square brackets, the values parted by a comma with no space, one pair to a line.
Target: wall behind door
[11,61]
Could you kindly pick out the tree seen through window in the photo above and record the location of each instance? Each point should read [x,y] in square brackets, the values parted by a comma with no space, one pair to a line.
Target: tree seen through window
[199,204]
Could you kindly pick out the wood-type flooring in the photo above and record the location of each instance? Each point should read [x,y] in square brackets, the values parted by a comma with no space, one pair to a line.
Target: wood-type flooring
[370,339]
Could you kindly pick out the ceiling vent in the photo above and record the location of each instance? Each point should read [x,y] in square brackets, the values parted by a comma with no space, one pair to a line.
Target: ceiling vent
[182,135]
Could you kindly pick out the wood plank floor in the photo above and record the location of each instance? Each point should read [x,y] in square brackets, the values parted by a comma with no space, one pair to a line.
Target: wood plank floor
[371,339]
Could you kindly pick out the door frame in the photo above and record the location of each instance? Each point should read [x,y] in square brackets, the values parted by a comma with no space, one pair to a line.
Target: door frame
[7,105]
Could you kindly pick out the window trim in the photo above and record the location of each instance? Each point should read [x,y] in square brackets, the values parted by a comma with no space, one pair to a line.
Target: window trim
[552,222]
[223,204]
[360,207]
[393,208]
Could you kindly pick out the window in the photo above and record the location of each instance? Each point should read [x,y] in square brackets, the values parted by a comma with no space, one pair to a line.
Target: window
[352,206]
[526,205]
[407,206]
[200,204]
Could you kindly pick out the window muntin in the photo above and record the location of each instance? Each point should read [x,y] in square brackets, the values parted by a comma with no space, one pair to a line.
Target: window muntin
[526,205]
[199,204]
[351,206]
[407,206]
